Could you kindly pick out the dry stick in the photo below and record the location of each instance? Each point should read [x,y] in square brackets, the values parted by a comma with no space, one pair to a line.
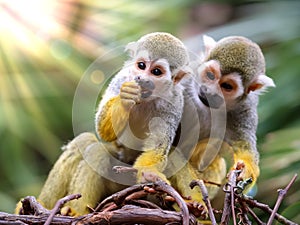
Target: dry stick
[6,218]
[30,203]
[59,204]
[142,203]
[281,195]
[229,197]
[124,169]
[132,215]
[160,185]
[244,211]
[255,204]
[232,204]
[255,217]
[120,196]
[204,192]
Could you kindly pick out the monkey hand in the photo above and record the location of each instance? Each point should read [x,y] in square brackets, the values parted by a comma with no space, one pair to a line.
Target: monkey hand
[147,174]
[245,161]
[130,94]
[69,211]
[148,166]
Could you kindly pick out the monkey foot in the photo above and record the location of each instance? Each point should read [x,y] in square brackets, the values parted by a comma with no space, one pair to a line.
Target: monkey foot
[197,209]
[68,211]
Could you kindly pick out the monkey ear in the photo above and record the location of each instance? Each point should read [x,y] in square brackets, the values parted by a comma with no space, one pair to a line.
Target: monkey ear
[131,48]
[260,84]
[179,75]
[209,43]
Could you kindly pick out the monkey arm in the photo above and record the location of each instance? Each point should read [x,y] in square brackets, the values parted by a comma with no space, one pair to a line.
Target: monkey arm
[246,161]
[162,129]
[242,125]
[112,119]
[154,158]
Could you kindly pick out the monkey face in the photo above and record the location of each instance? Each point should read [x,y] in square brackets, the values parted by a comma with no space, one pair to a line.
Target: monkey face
[215,88]
[153,76]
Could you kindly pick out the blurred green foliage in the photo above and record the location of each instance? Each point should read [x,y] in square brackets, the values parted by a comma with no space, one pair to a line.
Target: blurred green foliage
[39,76]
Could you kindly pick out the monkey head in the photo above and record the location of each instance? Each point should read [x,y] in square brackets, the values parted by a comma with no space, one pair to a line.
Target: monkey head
[234,67]
[158,61]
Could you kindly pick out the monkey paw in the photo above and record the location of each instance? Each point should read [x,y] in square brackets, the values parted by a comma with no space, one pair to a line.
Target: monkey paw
[249,173]
[130,94]
[148,175]
[198,209]
[68,211]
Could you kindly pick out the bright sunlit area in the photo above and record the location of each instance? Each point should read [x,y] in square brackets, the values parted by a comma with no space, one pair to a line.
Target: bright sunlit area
[49,51]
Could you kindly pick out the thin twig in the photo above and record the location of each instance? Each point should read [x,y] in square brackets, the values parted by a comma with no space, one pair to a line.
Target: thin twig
[255,204]
[32,207]
[254,216]
[206,200]
[59,204]
[124,169]
[120,196]
[232,203]
[160,185]
[244,212]
[281,195]
[227,209]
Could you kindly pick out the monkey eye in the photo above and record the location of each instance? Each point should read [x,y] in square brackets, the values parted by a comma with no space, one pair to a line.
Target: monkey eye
[210,75]
[141,65]
[226,86]
[156,72]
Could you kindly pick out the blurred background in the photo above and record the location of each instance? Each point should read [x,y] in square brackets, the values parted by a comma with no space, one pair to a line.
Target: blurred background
[46,47]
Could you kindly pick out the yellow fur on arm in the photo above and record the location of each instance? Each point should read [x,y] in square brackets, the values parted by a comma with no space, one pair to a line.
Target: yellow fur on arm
[150,159]
[113,119]
[151,162]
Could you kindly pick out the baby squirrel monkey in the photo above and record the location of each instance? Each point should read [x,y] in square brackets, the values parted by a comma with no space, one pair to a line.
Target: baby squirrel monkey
[231,76]
[143,104]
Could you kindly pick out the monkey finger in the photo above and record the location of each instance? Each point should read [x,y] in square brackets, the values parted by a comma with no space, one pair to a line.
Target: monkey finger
[128,103]
[131,90]
[128,96]
[169,198]
[150,190]
[131,84]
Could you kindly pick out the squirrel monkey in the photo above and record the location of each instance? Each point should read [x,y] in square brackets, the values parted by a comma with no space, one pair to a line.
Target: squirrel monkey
[231,76]
[140,110]
[143,104]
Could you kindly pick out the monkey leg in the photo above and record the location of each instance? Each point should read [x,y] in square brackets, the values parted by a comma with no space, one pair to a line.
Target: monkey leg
[212,175]
[91,180]
[59,178]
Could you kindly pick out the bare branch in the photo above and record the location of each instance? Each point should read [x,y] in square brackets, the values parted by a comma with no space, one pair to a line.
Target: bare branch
[281,195]
[59,204]
[30,206]
[160,185]
[255,204]
[204,192]
[229,198]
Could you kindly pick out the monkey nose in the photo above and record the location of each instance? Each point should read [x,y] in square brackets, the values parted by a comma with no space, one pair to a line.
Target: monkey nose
[203,88]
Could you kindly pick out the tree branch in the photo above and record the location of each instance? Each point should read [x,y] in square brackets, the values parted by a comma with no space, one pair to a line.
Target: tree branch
[281,195]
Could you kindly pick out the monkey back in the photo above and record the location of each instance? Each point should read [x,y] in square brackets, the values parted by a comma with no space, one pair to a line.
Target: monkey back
[239,54]
[165,45]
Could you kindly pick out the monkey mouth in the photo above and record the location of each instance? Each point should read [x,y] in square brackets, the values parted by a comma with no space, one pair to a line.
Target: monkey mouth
[146,93]
[203,100]
[211,101]
[147,87]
